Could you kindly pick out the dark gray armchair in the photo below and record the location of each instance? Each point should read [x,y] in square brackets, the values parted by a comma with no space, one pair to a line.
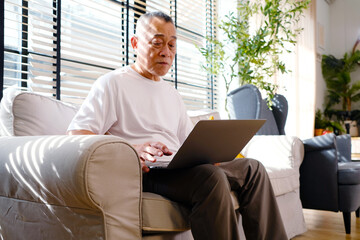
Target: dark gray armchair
[246,102]
[329,180]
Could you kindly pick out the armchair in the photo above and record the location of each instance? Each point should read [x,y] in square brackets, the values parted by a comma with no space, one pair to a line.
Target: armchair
[246,102]
[90,187]
[329,180]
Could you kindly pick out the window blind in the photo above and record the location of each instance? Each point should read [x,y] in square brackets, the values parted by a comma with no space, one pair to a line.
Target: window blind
[60,47]
[2,47]
[194,22]
[92,44]
[30,37]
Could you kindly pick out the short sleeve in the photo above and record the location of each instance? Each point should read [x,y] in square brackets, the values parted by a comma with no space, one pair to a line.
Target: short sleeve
[98,113]
[185,126]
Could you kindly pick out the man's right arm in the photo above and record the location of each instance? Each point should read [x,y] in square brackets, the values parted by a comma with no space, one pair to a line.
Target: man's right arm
[146,151]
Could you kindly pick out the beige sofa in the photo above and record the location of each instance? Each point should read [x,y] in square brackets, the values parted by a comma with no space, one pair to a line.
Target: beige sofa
[54,186]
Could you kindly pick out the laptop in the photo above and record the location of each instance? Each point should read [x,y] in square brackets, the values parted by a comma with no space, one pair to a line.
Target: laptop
[211,141]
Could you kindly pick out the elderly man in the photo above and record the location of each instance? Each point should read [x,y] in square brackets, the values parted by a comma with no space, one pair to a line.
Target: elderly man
[136,104]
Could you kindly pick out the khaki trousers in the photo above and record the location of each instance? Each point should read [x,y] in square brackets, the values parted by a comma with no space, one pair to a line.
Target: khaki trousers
[205,190]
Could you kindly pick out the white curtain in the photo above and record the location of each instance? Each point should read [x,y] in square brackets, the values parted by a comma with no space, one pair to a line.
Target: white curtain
[299,85]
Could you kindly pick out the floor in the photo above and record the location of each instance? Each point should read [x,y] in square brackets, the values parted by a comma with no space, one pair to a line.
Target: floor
[324,225]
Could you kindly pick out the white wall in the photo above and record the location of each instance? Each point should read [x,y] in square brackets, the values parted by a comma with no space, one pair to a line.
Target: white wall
[322,22]
[345,22]
[345,26]
[341,22]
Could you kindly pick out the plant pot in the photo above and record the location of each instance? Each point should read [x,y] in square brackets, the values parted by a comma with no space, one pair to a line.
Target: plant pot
[319,131]
[353,129]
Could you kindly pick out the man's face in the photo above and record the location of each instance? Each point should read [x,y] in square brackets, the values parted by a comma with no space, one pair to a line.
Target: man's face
[155,45]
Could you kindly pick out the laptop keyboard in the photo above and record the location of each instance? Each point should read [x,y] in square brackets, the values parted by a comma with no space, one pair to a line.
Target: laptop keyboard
[161,162]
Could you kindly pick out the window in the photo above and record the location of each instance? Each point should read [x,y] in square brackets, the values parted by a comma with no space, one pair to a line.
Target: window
[60,47]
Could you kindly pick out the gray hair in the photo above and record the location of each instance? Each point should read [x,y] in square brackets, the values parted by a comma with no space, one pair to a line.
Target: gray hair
[145,18]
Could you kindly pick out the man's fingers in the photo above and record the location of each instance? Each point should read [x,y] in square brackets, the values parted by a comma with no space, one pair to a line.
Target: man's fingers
[162,147]
[153,151]
[147,157]
[168,152]
[148,150]
[144,167]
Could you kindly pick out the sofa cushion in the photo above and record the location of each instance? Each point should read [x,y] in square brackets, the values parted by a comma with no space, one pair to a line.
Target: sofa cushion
[31,114]
[349,173]
[163,215]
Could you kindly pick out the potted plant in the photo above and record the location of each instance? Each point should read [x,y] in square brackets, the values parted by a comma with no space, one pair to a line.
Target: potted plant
[324,125]
[253,57]
[340,87]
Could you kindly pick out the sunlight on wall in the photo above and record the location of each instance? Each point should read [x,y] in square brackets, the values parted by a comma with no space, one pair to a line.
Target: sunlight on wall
[300,85]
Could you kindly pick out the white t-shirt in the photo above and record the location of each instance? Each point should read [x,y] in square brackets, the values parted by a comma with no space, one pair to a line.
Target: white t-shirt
[135,108]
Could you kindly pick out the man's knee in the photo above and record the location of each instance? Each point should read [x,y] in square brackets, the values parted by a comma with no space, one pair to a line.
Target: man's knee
[212,174]
[244,171]
[255,164]
[248,164]
[256,168]
[212,181]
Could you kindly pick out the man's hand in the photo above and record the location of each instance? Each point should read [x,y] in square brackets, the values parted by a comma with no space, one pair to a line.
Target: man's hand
[146,151]
[149,150]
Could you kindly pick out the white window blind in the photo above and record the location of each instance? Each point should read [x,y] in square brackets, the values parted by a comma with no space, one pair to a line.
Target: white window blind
[92,43]
[195,20]
[60,47]
[30,45]
[42,38]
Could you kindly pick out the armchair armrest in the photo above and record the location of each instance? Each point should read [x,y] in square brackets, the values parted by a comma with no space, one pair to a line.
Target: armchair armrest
[275,151]
[281,157]
[75,181]
[319,169]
